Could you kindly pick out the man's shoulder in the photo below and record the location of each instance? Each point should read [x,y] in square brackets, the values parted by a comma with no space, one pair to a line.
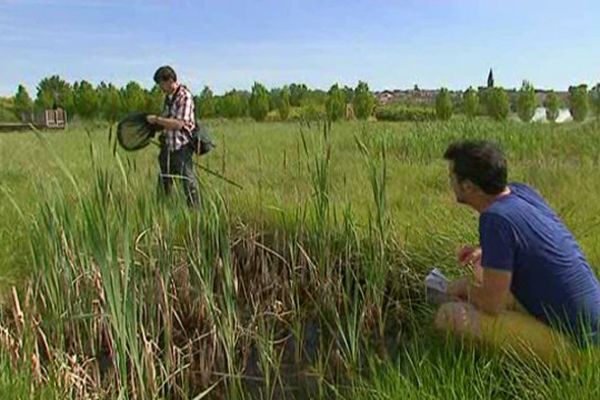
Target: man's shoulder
[503,211]
[521,187]
[185,91]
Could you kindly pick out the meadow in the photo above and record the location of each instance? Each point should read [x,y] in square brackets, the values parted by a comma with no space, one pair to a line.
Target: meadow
[305,283]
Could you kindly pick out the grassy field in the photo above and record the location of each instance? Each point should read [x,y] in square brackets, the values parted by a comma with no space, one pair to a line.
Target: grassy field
[306,282]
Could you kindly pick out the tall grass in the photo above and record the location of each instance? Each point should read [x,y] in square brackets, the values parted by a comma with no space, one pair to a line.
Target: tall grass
[302,284]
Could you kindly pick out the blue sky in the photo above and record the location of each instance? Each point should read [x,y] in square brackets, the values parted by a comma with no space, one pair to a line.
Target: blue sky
[227,43]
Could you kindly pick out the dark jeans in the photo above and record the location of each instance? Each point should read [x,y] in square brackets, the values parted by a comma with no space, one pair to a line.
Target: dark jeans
[178,165]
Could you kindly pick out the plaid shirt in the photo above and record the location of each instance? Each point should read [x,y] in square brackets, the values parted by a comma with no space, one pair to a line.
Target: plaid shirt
[179,105]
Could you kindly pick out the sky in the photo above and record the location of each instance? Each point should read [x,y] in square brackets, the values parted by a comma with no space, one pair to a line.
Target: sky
[228,44]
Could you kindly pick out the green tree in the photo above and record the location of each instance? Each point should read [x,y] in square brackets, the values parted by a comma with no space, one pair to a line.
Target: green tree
[348,94]
[283,103]
[471,103]
[579,102]
[595,94]
[498,104]
[552,104]
[336,103]
[363,101]
[298,93]
[101,90]
[527,102]
[133,97]
[54,92]
[274,98]
[155,100]
[443,105]
[87,102]
[234,104]
[205,104]
[23,105]
[259,102]
[111,104]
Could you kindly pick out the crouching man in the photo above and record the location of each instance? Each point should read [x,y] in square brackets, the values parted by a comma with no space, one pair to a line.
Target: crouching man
[532,291]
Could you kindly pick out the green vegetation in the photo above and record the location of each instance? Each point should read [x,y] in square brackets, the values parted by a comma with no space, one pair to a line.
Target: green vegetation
[497,102]
[363,101]
[443,105]
[401,112]
[336,103]
[22,102]
[471,103]
[527,102]
[579,102]
[325,248]
[595,94]
[283,104]
[552,105]
[259,102]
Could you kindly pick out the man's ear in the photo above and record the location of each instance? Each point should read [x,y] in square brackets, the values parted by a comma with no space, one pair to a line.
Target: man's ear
[468,185]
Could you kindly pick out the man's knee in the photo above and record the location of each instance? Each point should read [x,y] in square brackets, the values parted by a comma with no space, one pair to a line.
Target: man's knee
[459,318]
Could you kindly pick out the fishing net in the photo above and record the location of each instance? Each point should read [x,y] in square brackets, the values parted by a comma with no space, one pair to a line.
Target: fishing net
[134,132]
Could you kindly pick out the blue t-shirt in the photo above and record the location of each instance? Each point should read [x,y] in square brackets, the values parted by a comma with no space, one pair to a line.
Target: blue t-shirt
[550,275]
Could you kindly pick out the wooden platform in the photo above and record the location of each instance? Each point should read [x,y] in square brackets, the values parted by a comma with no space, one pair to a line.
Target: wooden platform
[46,119]
[14,126]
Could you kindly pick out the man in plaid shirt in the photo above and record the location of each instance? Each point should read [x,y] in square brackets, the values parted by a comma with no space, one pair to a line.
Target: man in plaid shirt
[178,121]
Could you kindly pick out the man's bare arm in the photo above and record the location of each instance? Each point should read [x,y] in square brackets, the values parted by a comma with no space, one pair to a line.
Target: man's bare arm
[167,123]
[489,296]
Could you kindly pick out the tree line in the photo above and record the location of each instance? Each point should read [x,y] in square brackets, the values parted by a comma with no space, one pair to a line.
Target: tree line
[496,103]
[106,101]
[109,102]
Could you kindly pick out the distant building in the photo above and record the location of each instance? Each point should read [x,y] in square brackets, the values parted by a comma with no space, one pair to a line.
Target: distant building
[490,80]
[425,97]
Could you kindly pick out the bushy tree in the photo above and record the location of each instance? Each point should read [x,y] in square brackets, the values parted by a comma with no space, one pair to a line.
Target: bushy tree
[527,102]
[111,103]
[54,92]
[133,97]
[298,92]
[274,97]
[348,94]
[498,105]
[259,102]
[233,104]
[283,103]
[23,104]
[579,102]
[336,103]
[363,101]
[443,105]
[87,102]
[205,104]
[552,104]
[155,100]
[595,94]
[471,103]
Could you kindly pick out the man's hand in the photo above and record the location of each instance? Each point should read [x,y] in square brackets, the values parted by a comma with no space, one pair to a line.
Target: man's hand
[152,119]
[471,256]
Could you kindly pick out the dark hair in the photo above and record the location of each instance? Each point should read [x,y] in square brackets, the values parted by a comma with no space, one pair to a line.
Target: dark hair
[164,73]
[481,162]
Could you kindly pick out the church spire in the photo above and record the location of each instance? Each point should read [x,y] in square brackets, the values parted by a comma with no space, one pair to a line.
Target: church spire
[490,82]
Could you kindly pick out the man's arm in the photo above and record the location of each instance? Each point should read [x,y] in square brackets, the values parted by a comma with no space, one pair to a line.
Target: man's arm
[490,296]
[184,115]
[166,123]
